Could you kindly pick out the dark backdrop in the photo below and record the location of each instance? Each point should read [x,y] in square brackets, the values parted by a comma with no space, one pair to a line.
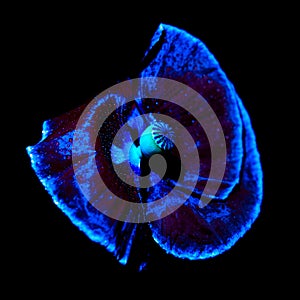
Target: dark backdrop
[62,59]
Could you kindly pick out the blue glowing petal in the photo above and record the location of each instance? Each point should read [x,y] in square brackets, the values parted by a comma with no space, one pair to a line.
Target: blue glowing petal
[191,232]
[52,163]
[218,226]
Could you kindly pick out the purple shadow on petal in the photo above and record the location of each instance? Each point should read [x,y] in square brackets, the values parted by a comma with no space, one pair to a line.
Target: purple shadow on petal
[191,232]
[51,161]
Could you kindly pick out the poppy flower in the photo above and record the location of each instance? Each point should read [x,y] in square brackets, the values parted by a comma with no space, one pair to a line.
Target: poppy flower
[169,158]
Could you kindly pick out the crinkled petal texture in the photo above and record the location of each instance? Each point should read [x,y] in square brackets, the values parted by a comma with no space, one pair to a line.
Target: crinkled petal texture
[191,231]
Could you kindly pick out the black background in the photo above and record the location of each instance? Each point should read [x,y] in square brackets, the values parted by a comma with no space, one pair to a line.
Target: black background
[61,58]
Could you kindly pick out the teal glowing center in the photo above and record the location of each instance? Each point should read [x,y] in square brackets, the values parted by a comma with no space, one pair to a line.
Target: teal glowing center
[156,138]
[163,135]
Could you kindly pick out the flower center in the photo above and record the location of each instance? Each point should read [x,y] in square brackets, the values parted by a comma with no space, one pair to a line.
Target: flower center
[156,139]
